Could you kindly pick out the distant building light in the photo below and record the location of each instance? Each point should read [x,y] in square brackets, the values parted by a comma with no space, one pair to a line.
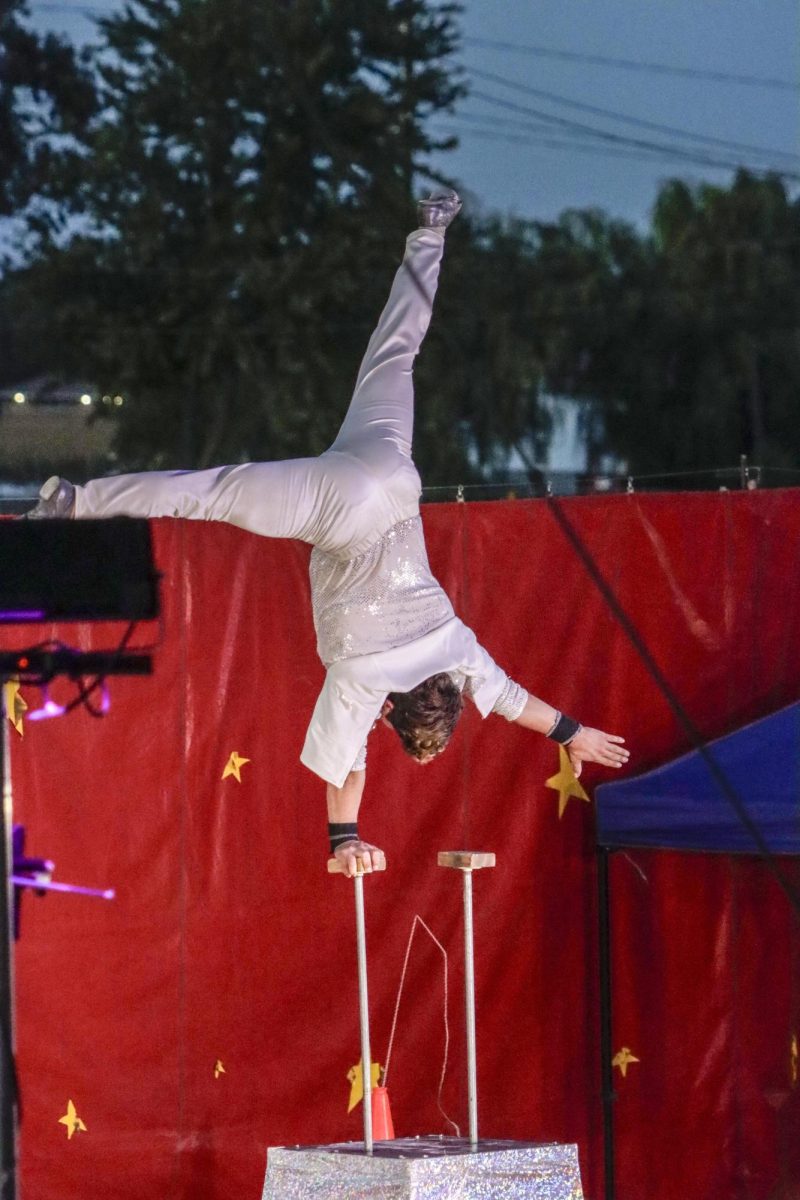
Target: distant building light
[106,399]
[19,397]
[118,401]
[86,398]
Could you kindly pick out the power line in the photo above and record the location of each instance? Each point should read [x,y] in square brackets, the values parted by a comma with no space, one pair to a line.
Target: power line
[520,139]
[570,144]
[509,124]
[544,136]
[688,155]
[504,122]
[630,64]
[639,122]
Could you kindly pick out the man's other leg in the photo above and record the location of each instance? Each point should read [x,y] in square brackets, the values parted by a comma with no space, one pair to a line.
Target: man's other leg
[380,420]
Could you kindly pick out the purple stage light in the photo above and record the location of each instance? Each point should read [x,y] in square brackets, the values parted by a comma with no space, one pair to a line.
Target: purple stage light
[48,709]
[36,874]
[15,615]
[43,884]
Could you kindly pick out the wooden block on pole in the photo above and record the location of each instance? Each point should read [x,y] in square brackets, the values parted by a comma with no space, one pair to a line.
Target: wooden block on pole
[465,860]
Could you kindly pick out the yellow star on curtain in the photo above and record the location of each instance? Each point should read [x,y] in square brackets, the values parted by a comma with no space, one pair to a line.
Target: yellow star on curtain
[622,1059]
[72,1121]
[13,704]
[234,766]
[355,1077]
[218,1068]
[565,783]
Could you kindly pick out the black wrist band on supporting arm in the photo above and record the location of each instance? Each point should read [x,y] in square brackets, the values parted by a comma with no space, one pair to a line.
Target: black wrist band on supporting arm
[341,833]
[564,730]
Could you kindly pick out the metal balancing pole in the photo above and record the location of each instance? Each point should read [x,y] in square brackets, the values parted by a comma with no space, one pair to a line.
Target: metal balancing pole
[335,868]
[467,861]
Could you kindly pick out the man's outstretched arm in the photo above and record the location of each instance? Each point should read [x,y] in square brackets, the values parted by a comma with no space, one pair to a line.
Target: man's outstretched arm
[343,805]
[587,745]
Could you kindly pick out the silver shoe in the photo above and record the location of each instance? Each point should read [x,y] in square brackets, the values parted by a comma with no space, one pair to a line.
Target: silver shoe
[438,210]
[56,499]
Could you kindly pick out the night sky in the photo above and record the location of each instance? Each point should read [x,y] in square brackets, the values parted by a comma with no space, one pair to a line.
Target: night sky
[536,163]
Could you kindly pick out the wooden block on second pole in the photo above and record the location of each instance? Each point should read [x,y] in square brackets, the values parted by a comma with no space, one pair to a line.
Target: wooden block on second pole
[465,860]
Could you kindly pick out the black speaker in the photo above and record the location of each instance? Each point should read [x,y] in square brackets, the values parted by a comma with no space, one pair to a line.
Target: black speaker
[63,570]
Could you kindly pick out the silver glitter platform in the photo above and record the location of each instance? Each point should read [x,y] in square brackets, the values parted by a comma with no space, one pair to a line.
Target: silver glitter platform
[424,1168]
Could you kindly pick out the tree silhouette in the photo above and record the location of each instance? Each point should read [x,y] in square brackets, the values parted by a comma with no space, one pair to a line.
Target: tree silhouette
[46,95]
[243,194]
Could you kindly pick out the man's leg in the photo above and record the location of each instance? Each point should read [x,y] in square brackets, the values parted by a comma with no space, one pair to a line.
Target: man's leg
[379,422]
[272,499]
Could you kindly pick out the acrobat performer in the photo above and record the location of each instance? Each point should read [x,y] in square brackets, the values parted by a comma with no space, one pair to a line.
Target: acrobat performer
[386,631]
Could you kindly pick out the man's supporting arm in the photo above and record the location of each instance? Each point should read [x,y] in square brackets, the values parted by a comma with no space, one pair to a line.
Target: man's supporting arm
[344,802]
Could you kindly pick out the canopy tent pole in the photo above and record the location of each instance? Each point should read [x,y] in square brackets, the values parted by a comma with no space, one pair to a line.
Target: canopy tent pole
[607,1094]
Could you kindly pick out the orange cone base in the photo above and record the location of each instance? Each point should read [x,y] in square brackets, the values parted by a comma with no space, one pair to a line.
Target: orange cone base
[382,1127]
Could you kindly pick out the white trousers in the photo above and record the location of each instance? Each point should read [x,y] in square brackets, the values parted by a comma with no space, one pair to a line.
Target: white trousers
[345,499]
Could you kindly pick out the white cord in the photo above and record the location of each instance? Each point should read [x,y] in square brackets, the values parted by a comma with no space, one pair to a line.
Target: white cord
[418,920]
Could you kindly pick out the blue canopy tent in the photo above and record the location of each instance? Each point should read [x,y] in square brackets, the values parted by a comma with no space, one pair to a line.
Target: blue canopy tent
[737,795]
[681,805]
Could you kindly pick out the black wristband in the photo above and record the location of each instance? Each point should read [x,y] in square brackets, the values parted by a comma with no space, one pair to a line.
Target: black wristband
[341,833]
[564,730]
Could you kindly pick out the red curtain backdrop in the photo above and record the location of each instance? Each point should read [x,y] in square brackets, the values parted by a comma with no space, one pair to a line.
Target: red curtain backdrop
[211,1010]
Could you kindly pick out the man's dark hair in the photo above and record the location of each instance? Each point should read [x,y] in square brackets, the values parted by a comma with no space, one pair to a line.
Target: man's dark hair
[426,717]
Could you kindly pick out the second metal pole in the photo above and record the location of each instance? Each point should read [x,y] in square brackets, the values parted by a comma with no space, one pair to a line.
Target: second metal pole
[469,997]
[467,861]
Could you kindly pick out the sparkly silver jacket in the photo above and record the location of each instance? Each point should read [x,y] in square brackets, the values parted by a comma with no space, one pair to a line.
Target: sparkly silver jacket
[384,625]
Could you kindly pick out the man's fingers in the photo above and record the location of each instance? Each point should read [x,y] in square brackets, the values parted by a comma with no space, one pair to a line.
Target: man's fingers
[365,861]
[615,755]
[360,858]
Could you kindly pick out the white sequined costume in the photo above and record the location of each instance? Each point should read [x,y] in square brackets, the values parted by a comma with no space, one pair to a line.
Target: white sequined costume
[383,622]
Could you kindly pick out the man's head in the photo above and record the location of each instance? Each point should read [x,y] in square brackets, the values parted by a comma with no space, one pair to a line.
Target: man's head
[425,718]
